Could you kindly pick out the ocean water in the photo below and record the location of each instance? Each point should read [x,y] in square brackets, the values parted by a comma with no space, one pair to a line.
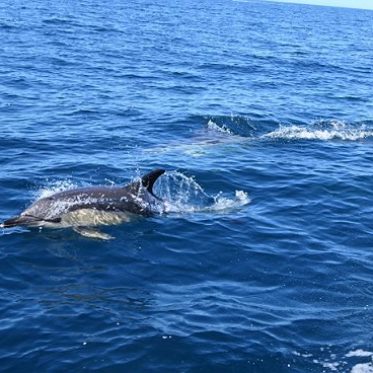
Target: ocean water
[262,115]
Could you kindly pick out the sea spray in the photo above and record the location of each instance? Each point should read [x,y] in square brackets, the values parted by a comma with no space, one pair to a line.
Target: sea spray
[182,194]
[56,187]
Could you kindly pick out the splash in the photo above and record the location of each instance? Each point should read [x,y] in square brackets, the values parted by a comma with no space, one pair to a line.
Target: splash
[56,187]
[212,126]
[324,131]
[182,194]
[234,125]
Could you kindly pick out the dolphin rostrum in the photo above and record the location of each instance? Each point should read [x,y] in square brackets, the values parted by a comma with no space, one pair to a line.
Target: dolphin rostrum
[84,208]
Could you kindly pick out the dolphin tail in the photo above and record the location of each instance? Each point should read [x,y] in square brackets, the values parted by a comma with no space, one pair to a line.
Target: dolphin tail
[149,179]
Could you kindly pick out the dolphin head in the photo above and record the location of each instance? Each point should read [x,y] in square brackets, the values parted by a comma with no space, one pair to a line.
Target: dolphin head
[42,212]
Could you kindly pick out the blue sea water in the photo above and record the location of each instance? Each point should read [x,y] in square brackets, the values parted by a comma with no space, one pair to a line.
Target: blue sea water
[262,114]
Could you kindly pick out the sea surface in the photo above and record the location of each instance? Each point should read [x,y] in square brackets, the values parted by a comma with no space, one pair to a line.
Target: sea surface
[262,115]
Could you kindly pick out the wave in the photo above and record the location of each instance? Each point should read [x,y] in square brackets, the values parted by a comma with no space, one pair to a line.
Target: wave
[223,130]
[333,130]
[241,126]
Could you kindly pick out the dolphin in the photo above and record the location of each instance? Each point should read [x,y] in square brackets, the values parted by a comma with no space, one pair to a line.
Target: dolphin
[83,209]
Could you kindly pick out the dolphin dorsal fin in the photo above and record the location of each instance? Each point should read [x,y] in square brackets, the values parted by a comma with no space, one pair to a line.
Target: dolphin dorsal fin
[147,182]
[149,179]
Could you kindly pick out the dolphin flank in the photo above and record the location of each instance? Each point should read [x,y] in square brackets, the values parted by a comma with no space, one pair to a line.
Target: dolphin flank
[84,208]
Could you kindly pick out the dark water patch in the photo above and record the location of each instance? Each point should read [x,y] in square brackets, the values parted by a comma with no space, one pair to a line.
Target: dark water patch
[232,68]
[85,112]
[7,26]
[16,82]
[106,29]
[14,144]
[61,21]
[60,61]
[127,112]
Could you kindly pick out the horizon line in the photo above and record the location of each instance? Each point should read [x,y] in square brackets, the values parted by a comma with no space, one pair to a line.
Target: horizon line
[310,2]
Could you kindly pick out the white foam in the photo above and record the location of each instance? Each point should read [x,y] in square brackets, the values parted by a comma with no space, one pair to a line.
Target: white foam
[359,353]
[211,125]
[335,130]
[332,366]
[362,368]
[222,203]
